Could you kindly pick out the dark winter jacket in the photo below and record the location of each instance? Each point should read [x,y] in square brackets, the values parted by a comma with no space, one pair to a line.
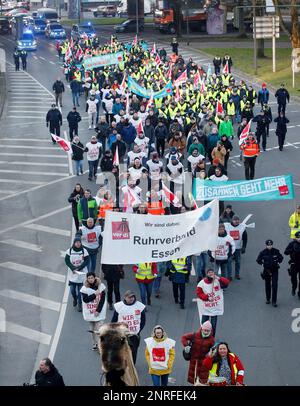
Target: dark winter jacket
[74,199]
[270,259]
[200,348]
[106,163]
[51,378]
[128,134]
[102,130]
[282,96]
[293,250]
[54,117]
[112,273]
[75,86]
[73,118]
[78,151]
[161,132]
[121,148]
[58,87]
[263,96]
[281,128]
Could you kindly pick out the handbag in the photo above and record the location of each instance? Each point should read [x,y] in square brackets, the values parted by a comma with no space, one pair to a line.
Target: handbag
[187,351]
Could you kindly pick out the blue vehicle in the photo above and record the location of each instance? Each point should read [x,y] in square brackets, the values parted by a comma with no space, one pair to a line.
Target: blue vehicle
[55,30]
[27,42]
[81,31]
[39,26]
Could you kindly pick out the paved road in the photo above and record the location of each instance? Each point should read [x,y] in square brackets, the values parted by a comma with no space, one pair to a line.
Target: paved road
[255,331]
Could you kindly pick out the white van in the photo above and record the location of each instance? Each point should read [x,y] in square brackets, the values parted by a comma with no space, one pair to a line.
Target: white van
[48,14]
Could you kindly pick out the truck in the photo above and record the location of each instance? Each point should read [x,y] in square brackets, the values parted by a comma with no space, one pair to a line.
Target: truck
[192,12]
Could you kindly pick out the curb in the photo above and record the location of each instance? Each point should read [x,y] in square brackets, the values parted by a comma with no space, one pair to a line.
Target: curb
[2,92]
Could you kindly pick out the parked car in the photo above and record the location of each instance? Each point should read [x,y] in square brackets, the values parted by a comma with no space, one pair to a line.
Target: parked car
[129,26]
[27,42]
[55,30]
[105,11]
[5,26]
[82,30]
[48,14]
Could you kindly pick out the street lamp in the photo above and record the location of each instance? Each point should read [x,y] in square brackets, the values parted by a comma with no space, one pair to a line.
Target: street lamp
[187,23]
[137,16]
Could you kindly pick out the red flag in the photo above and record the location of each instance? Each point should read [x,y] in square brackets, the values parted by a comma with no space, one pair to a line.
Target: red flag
[64,144]
[71,43]
[181,79]
[79,53]
[157,60]
[123,84]
[131,199]
[177,94]
[150,102]
[197,79]
[169,73]
[193,201]
[244,133]
[68,53]
[135,41]
[203,87]
[171,198]
[219,108]
[140,128]
[116,160]
[153,50]
[226,69]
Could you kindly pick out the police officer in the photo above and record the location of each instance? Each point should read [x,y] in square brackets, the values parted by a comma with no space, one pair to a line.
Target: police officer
[262,121]
[282,96]
[178,271]
[54,118]
[293,250]
[270,258]
[174,45]
[73,118]
[24,59]
[17,59]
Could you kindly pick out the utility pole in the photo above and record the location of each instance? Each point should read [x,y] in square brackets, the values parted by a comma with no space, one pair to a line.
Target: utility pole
[254,37]
[137,16]
[187,23]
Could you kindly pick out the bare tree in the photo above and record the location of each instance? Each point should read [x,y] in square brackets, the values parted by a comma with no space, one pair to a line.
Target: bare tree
[293,32]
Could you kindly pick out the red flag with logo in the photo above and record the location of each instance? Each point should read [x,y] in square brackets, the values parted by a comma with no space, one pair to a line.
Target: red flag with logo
[79,53]
[181,79]
[116,160]
[140,128]
[64,144]
[171,198]
[177,94]
[135,41]
[150,102]
[203,87]
[226,69]
[197,79]
[244,133]
[157,60]
[153,50]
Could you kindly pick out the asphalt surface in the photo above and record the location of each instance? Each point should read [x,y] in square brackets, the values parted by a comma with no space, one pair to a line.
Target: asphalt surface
[261,335]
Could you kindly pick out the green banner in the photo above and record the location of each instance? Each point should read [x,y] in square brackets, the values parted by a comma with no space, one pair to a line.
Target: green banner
[271,188]
[103,60]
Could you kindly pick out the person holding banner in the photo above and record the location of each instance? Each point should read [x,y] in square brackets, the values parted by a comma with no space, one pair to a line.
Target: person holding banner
[225,249]
[238,232]
[211,303]
[178,271]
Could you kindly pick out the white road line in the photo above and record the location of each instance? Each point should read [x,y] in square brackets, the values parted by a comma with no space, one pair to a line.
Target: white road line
[13,266]
[24,117]
[62,313]
[26,139]
[33,155]
[47,229]
[296,184]
[24,182]
[52,213]
[28,333]
[23,244]
[42,58]
[52,147]
[291,145]
[43,113]
[53,164]
[35,300]
[34,173]
[52,63]
[35,57]
[7,192]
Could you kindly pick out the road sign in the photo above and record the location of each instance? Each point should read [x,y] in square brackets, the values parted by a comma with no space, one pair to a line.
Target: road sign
[266,27]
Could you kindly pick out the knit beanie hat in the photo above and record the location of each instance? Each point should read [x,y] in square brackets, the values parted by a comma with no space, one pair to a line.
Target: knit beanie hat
[206,325]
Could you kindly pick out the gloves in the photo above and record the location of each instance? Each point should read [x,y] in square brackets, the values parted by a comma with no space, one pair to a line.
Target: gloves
[243,250]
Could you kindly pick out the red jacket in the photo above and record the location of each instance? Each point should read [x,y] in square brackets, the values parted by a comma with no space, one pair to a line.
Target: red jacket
[233,361]
[224,282]
[200,348]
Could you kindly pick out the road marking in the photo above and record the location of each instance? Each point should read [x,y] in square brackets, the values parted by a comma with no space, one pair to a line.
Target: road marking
[35,57]
[291,145]
[34,173]
[25,182]
[7,192]
[53,63]
[26,139]
[52,147]
[23,244]
[47,229]
[44,112]
[33,155]
[62,313]
[53,164]
[13,266]
[42,58]
[52,213]
[35,300]
[28,333]
[22,117]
